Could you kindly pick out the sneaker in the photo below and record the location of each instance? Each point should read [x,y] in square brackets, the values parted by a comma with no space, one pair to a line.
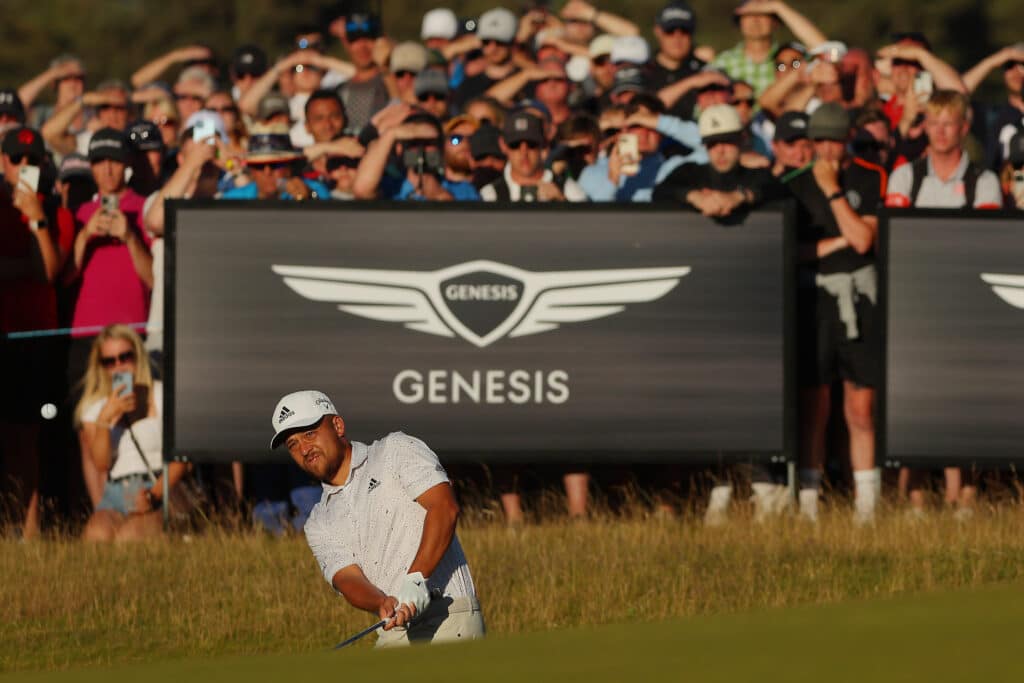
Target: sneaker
[717,513]
[809,505]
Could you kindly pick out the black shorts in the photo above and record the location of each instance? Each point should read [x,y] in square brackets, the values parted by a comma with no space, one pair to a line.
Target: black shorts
[823,351]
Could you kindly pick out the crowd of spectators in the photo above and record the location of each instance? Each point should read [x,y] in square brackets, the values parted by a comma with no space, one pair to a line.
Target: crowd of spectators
[540,106]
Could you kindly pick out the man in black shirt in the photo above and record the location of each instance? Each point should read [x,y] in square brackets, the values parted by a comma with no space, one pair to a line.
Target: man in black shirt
[836,306]
[496,30]
[674,29]
[722,187]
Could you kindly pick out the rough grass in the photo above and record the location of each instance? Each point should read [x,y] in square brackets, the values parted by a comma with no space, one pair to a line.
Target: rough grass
[64,604]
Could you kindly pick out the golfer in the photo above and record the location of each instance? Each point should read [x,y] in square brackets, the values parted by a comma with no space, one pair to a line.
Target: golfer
[384,529]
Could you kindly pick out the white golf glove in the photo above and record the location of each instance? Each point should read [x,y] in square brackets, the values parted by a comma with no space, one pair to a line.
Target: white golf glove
[414,592]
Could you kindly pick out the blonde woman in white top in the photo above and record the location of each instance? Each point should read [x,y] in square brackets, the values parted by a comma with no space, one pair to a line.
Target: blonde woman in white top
[121,436]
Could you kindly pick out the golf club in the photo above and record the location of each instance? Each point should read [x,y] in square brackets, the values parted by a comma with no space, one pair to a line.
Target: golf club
[361,634]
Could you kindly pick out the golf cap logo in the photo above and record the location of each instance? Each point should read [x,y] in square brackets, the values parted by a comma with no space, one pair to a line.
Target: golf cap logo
[284,414]
[481,301]
[1009,288]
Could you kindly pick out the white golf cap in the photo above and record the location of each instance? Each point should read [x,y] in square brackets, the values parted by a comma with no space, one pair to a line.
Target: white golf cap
[299,409]
[601,46]
[632,49]
[497,24]
[439,23]
[719,123]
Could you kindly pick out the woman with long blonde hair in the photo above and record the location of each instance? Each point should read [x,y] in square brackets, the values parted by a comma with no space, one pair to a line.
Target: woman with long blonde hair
[119,418]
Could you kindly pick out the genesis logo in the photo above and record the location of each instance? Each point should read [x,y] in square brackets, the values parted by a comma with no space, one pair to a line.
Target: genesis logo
[481,301]
[1009,288]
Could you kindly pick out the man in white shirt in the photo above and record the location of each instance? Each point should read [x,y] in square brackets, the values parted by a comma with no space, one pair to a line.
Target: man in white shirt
[383,532]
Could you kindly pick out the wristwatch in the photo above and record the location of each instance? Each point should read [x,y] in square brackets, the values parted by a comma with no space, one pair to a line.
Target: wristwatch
[838,194]
[42,223]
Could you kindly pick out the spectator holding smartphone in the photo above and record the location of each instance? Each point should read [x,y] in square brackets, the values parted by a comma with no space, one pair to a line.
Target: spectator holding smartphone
[111,254]
[119,413]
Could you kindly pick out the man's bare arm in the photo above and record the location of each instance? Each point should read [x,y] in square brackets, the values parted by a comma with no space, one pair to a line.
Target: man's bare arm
[438,527]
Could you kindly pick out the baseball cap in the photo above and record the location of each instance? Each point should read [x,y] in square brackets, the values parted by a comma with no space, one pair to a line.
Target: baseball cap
[720,123]
[439,23]
[484,142]
[829,122]
[249,60]
[74,166]
[497,24]
[273,104]
[456,121]
[791,126]
[715,85]
[408,56]
[108,143]
[144,136]
[677,15]
[601,46]
[24,141]
[11,104]
[523,126]
[297,410]
[632,49]
[627,79]
[430,82]
[362,25]
[1015,154]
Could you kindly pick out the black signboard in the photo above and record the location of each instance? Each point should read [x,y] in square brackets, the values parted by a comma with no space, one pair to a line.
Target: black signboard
[573,332]
[955,358]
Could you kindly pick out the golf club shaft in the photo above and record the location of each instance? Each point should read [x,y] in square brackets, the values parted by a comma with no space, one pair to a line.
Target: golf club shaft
[361,634]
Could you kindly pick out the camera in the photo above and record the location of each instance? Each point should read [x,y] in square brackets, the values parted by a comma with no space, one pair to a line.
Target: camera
[423,159]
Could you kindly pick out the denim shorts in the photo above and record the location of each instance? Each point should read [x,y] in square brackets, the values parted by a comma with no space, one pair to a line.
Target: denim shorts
[119,494]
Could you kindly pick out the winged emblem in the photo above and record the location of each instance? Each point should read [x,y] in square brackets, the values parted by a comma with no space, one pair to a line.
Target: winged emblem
[543,301]
[1009,288]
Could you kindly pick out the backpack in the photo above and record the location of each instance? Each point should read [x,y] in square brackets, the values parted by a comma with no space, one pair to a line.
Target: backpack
[919,169]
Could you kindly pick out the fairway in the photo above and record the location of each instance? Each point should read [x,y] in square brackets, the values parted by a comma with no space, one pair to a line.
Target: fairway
[967,635]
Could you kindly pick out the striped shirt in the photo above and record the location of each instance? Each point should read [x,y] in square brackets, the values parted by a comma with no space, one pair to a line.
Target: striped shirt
[374,521]
[739,66]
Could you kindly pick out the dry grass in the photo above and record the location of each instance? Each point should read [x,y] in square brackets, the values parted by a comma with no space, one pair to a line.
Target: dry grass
[65,604]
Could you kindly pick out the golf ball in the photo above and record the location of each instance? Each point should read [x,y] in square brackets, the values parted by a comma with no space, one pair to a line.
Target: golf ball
[48,411]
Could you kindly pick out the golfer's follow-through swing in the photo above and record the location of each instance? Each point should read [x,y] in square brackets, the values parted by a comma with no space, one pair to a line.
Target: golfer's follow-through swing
[383,532]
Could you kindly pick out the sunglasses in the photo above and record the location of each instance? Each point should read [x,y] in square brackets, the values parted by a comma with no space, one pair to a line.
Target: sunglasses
[334,163]
[906,62]
[674,31]
[603,60]
[783,66]
[744,101]
[530,144]
[492,41]
[456,140]
[1012,65]
[299,68]
[610,132]
[270,166]
[111,361]
[405,73]
[116,107]
[18,158]
[431,96]
[72,77]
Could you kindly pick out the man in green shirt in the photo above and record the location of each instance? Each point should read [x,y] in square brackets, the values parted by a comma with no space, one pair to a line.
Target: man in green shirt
[751,60]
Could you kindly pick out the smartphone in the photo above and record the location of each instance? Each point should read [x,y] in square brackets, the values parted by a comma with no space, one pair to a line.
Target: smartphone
[123,383]
[204,131]
[109,203]
[528,193]
[29,175]
[923,86]
[629,152]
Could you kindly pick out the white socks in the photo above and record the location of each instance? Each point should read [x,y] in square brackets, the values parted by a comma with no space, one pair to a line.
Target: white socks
[769,500]
[867,485]
[718,505]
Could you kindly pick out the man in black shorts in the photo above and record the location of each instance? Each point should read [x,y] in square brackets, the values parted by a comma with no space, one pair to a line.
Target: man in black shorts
[837,315]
